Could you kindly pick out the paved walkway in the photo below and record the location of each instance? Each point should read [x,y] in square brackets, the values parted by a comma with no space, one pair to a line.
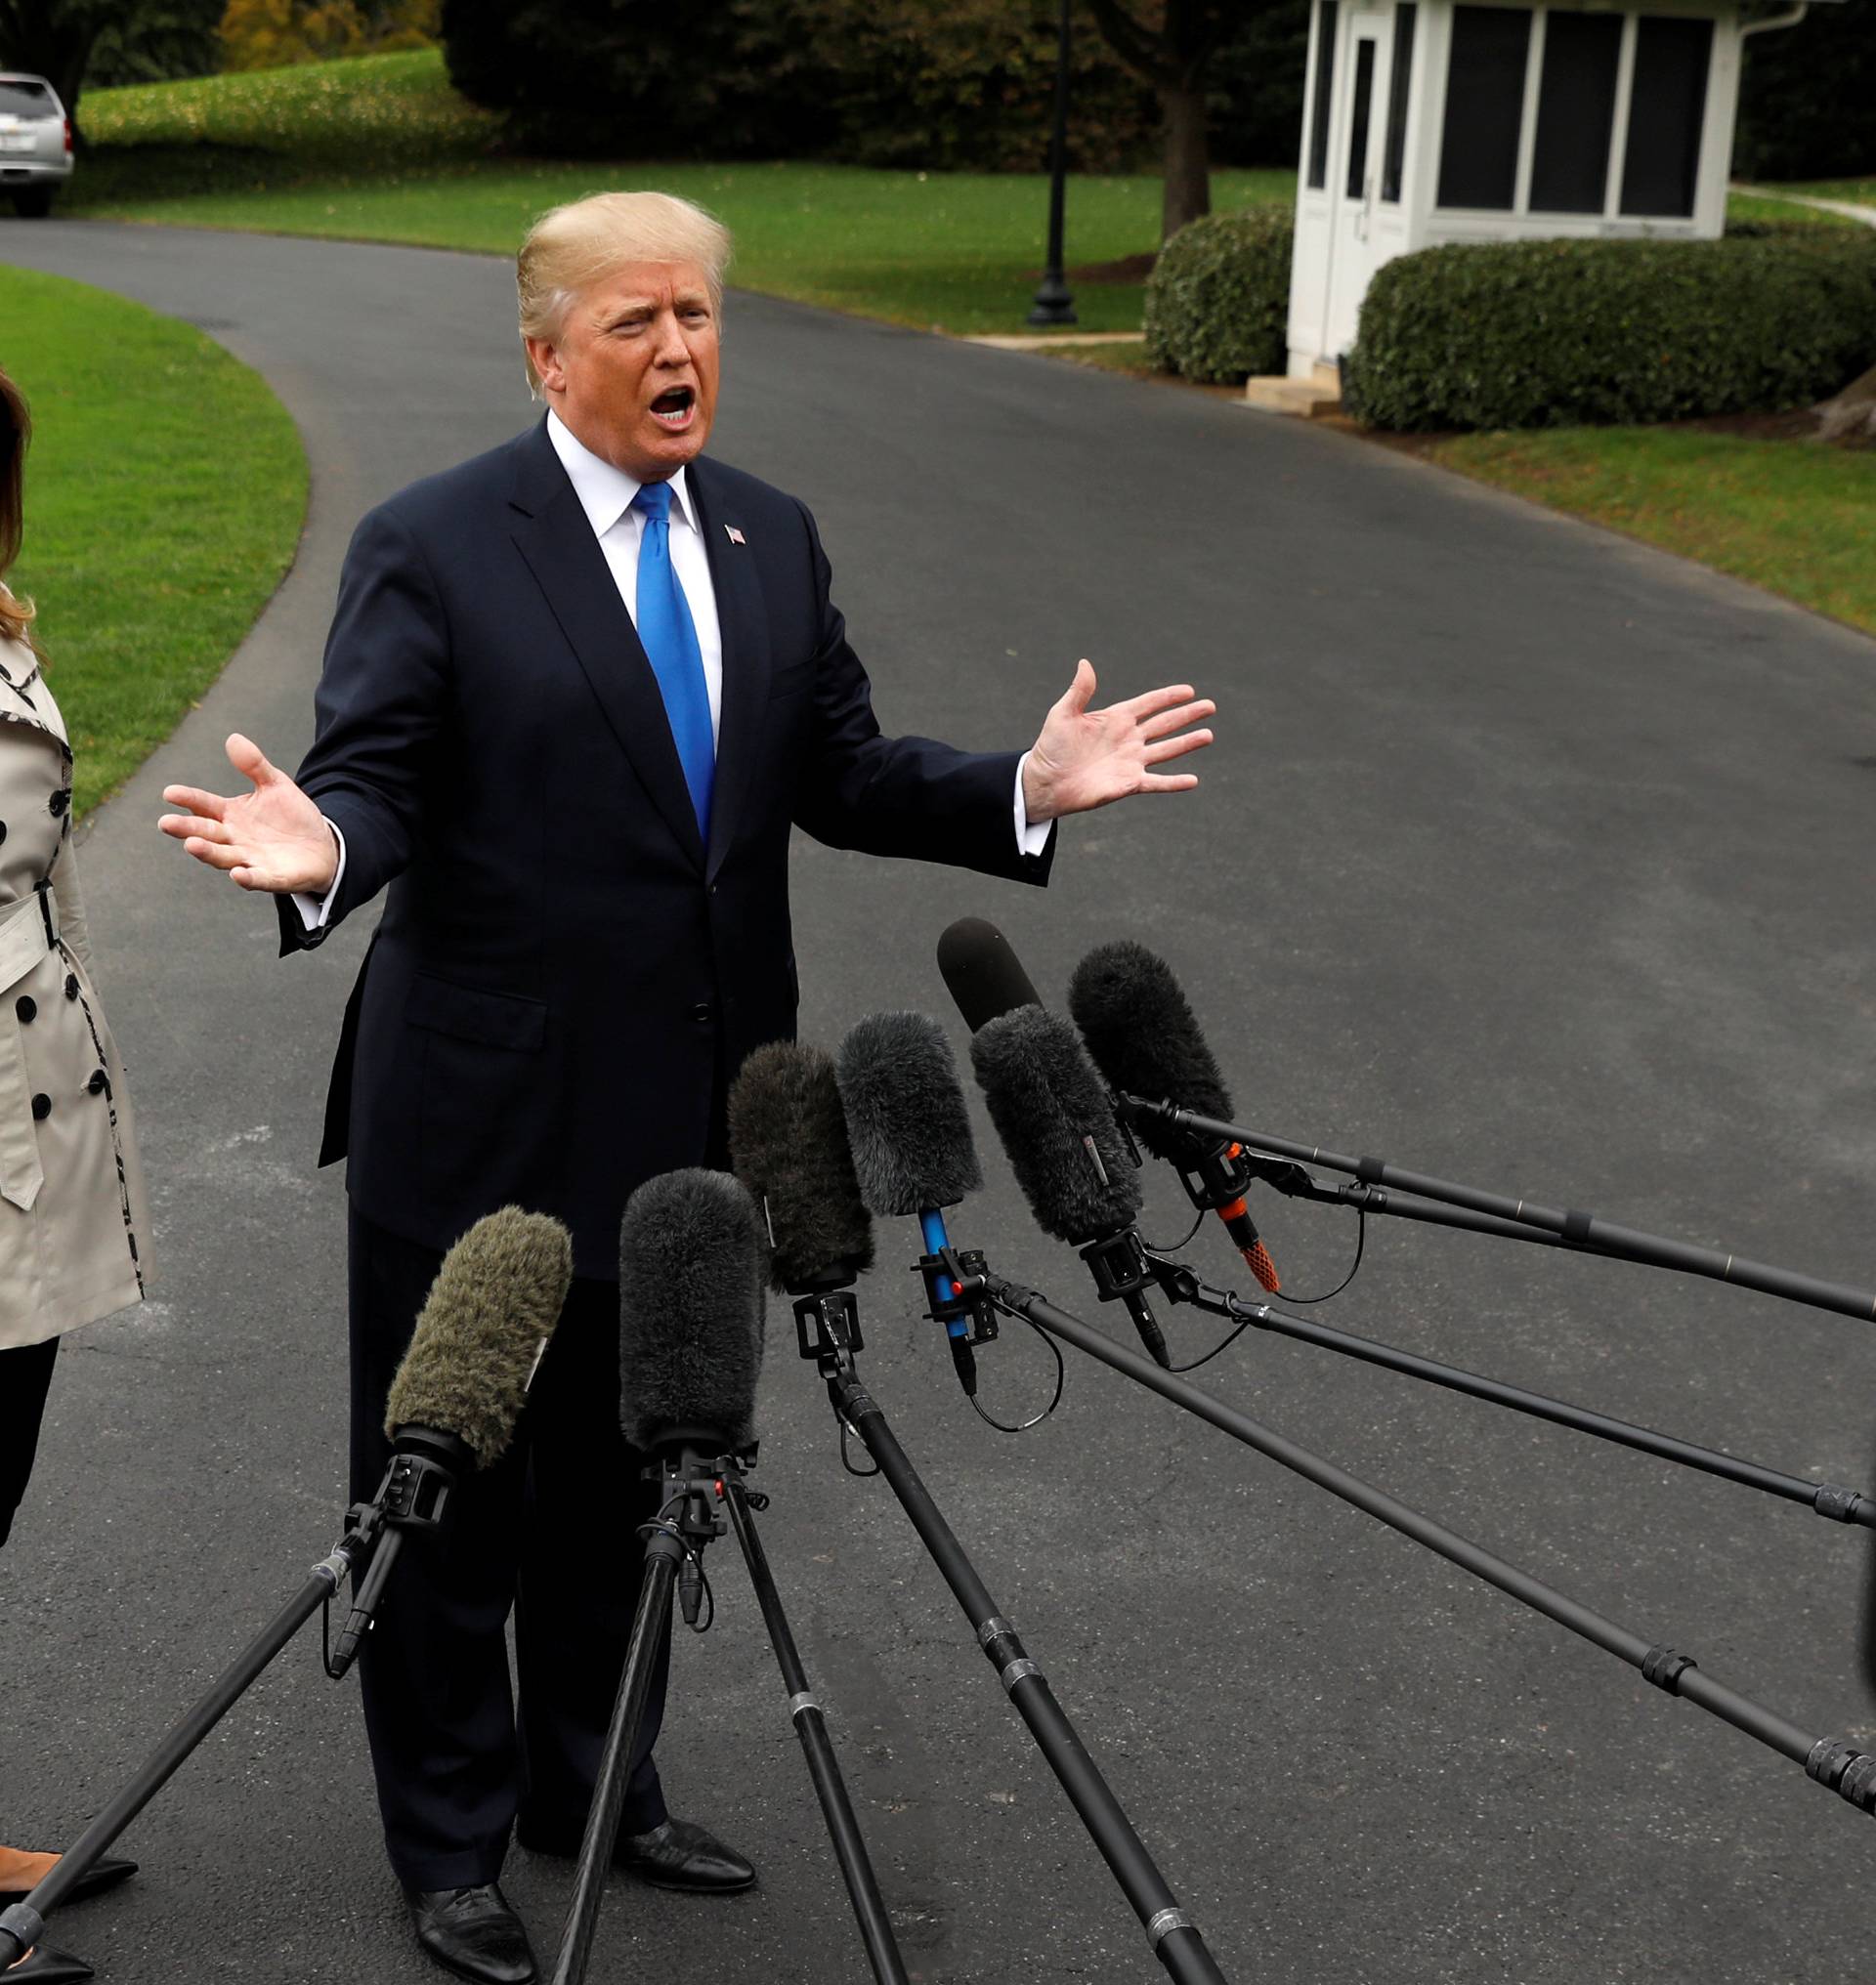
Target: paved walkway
[1849,210]
[1529,855]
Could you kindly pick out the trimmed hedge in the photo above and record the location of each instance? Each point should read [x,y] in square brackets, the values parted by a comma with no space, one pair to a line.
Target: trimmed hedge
[1523,335]
[1218,303]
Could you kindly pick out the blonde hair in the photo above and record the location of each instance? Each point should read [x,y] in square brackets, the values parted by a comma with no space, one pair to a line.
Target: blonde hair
[571,248]
[16,430]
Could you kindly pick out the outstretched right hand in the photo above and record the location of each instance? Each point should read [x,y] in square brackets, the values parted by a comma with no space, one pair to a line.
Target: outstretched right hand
[273,838]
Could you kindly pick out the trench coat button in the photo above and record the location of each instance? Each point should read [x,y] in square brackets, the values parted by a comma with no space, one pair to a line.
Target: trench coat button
[71,985]
[27,1007]
[58,802]
[3,830]
[702,1012]
[98,1083]
[41,1108]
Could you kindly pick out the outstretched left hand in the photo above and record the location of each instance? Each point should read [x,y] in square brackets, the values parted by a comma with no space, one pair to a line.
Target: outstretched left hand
[1088,758]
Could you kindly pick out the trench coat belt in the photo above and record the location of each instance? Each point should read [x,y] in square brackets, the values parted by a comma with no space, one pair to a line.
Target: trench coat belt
[28,929]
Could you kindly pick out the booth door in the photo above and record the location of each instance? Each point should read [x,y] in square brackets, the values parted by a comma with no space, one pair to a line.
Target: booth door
[1355,250]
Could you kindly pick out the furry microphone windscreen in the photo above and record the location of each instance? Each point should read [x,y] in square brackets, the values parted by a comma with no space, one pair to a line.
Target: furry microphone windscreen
[1056,1124]
[788,1145]
[1144,1037]
[981,972]
[496,1299]
[907,1119]
[690,1309]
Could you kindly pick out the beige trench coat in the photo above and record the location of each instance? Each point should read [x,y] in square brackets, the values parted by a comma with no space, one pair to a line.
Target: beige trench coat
[74,1221]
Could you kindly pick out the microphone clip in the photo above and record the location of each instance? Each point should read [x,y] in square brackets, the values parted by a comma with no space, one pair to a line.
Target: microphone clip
[961,1272]
[826,1327]
[1120,1264]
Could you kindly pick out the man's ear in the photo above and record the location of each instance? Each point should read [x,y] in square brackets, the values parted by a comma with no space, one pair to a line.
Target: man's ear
[544,355]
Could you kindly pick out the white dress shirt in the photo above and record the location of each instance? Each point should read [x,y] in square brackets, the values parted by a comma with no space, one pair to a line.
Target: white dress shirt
[606,495]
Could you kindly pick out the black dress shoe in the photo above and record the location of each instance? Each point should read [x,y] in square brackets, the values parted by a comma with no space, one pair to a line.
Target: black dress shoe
[103,1874]
[47,1967]
[678,1854]
[473,1932]
[681,1854]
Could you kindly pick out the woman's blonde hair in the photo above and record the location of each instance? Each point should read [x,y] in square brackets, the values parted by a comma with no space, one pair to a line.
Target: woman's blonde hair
[571,248]
[16,430]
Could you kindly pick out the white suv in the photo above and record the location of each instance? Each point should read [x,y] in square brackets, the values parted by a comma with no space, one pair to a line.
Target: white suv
[36,142]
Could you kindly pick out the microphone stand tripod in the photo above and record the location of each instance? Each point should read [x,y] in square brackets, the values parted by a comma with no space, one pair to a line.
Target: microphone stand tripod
[828,1325]
[1125,1260]
[697,1483]
[1493,1213]
[415,1494]
[1836,1765]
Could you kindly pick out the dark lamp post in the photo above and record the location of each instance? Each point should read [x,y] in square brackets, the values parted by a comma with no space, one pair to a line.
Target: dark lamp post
[1053,305]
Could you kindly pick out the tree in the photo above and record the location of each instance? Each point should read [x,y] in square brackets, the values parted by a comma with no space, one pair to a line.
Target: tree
[54,38]
[1174,57]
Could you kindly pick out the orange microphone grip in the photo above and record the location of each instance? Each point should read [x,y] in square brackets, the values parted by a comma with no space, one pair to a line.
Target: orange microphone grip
[1257,1256]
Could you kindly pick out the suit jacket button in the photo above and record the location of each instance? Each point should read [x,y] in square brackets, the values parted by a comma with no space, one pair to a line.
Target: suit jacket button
[71,985]
[99,1082]
[701,1012]
[27,1007]
[41,1108]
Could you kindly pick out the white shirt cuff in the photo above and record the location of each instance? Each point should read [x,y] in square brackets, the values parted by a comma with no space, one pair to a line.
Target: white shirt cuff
[315,910]
[1030,841]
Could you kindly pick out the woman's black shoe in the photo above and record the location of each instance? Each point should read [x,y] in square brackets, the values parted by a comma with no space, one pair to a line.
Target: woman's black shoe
[102,1875]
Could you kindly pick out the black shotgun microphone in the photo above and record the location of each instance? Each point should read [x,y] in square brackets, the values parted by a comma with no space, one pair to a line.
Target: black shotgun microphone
[690,1314]
[463,1383]
[981,972]
[1067,1150]
[1145,1040]
[913,1150]
[789,1146]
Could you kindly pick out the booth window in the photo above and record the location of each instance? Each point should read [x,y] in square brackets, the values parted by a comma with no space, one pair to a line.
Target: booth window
[1398,77]
[1575,113]
[1320,99]
[1484,107]
[1667,107]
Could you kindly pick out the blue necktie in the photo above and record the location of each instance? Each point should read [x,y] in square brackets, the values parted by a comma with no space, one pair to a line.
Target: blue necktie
[668,637]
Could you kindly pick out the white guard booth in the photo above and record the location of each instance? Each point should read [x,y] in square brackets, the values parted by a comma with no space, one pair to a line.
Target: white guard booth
[1438,120]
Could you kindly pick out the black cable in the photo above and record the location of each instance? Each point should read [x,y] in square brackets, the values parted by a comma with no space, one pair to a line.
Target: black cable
[1225,1343]
[1354,1268]
[1192,1232]
[1062,1379]
[846,1459]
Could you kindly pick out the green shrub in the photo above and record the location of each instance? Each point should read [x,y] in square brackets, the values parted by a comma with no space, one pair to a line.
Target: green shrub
[1218,303]
[1563,333]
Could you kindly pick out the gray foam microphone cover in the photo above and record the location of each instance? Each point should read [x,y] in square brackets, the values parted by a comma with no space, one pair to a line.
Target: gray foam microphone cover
[1144,1036]
[497,1295]
[1049,1108]
[907,1120]
[690,1309]
[788,1145]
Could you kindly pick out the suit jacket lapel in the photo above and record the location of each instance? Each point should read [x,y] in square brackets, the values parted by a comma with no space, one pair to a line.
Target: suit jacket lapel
[745,628]
[554,537]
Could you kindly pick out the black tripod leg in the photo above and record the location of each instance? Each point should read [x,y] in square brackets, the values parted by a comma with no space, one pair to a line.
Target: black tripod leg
[1174,1939]
[811,1726]
[22,1925]
[650,1625]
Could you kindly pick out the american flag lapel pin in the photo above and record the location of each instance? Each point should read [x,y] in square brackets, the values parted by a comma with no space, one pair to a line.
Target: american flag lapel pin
[736,537]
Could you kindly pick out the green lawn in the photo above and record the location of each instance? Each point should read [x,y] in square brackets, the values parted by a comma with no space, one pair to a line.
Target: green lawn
[1859,193]
[1756,207]
[165,489]
[380,148]
[1792,516]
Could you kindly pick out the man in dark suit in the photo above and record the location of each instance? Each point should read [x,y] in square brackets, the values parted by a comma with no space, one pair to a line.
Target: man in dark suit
[576,693]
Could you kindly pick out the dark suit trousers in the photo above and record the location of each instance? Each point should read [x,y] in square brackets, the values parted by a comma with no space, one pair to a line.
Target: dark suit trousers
[550,1530]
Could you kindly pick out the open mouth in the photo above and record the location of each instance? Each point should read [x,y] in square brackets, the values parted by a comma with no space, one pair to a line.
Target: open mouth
[675,405]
